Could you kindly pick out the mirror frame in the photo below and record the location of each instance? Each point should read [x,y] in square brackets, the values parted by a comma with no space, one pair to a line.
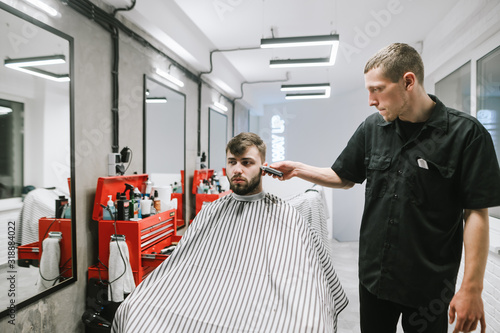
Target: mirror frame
[73,279]
[144,144]
[210,110]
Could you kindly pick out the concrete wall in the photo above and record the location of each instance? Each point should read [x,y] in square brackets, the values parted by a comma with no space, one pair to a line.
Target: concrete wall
[62,311]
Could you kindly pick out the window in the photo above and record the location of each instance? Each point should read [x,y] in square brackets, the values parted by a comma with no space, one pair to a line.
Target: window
[454,89]
[11,148]
[488,100]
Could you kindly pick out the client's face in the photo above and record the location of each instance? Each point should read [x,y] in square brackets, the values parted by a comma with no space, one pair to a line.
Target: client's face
[244,173]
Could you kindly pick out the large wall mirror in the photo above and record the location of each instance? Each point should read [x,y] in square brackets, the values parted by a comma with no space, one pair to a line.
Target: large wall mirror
[37,250]
[217,140]
[164,139]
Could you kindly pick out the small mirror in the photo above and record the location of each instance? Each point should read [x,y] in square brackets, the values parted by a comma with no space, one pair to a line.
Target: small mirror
[217,140]
[37,202]
[164,139]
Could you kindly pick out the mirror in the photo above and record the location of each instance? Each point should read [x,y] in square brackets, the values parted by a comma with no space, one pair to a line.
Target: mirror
[164,139]
[217,140]
[36,163]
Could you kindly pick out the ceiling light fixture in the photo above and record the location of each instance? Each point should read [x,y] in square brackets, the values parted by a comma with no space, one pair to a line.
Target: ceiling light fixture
[35,61]
[156,100]
[43,74]
[299,41]
[323,88]
[25,65]
[332,40]
[299,63]
[220,106]
[166,75]
[44,7]
[5,110]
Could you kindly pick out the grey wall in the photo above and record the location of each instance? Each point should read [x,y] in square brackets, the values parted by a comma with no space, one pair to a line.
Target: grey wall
[62,311]
[316,132]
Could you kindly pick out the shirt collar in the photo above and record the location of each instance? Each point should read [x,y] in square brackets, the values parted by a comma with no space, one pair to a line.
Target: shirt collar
[253,197]
[438,118]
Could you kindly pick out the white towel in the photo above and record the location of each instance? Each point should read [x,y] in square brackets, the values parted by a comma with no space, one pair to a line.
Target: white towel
[121,277]
[49,263]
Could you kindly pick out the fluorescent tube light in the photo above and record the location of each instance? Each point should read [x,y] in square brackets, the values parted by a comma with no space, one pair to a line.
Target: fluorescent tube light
[5,110]
[169,77]
[25,65]
[307,87]
[156,100]
[299,41]
[220,106]
[332,40]
[307,96]
[44,7]
[35,61]
[299,63]
[43,74]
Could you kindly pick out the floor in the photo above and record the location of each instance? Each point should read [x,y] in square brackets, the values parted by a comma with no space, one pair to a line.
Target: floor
[346,265]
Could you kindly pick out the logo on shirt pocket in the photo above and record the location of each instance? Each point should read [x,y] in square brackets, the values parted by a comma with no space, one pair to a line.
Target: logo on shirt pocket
[431,184]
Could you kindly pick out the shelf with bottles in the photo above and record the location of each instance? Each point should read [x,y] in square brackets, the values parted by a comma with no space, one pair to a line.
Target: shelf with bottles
[208,186]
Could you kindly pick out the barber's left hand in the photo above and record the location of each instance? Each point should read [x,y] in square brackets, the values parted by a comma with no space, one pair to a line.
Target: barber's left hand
[469,310]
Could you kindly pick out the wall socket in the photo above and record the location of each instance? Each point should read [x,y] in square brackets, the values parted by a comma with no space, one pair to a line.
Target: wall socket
[114,162]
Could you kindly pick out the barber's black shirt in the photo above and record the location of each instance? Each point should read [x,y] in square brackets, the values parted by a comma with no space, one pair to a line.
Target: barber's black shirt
[416,189]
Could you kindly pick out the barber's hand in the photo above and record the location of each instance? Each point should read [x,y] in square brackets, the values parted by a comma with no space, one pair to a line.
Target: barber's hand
[287,167]
[469,310]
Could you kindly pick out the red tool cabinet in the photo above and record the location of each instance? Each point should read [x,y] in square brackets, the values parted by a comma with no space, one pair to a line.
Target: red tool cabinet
[145,238]
[200,175]
[33,251]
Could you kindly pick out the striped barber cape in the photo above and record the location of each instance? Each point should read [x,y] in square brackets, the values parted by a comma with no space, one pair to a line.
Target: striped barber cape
[245,264]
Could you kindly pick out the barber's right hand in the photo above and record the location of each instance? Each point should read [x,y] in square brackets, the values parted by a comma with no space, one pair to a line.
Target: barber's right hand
[287,167]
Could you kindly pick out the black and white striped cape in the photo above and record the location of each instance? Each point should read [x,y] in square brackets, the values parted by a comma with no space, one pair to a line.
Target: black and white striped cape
[246,264]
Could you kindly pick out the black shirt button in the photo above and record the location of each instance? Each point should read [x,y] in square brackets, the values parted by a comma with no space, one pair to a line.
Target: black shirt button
[391,221]
[395,196]
[400,172]
[387,245]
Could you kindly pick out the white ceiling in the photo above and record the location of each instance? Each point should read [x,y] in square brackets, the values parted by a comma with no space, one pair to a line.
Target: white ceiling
[193,28]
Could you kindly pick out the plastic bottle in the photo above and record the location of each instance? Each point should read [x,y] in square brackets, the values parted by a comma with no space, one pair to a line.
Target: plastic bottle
[157,202]
[138,198]
[147,186]
[105,213]
[201,187]
[123,208]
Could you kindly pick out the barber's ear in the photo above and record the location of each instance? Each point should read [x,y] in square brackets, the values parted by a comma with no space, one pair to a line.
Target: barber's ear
[409,80]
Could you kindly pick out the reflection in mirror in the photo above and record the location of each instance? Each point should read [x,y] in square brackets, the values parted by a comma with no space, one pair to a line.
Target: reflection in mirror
[217,140]
[36,164]
[164,140]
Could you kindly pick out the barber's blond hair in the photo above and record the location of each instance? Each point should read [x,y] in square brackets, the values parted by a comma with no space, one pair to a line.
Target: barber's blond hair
[240,143]
[395,60]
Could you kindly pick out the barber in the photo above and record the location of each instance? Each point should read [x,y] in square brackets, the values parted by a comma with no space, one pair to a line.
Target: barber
[431,173]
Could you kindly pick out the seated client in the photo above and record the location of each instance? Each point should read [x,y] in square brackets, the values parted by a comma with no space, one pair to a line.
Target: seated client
[247,263]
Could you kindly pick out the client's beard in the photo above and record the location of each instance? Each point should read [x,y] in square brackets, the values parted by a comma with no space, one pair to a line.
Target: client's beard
[246,188]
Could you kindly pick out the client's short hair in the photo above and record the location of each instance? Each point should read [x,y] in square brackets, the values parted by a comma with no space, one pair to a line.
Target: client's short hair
[240,143]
